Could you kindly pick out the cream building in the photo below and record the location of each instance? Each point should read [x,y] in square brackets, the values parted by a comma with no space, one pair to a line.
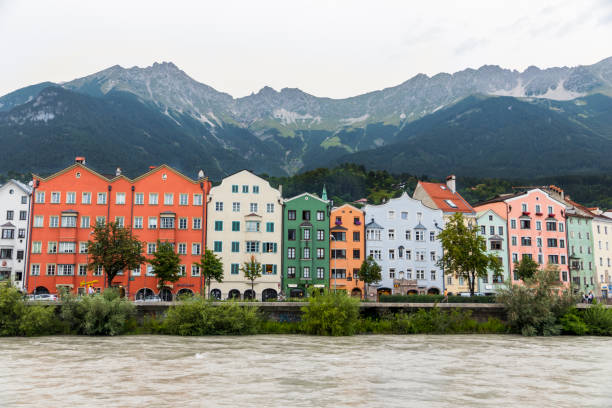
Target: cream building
[14,219]
[245,216]
[602,254]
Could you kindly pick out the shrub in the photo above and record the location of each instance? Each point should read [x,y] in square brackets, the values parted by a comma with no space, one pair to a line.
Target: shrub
[435,299]
[492,325]
[598,319]
[573,324]
[331,314]
[101,314]
[39,321]
[198,317]
[12,309]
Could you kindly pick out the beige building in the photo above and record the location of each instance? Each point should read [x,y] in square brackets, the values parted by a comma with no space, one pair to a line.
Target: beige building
[602,253]
[245,217]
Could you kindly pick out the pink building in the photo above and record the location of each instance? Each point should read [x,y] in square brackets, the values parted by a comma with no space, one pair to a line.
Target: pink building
[536,228]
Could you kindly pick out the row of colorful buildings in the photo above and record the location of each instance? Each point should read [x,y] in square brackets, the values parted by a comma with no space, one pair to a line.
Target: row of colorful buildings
[301,242]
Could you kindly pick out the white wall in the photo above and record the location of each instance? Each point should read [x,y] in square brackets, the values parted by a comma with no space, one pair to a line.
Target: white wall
[11,195]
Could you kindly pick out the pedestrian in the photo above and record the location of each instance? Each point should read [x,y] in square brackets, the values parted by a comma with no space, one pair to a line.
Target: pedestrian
[445,296]
[591,296]
[584,298]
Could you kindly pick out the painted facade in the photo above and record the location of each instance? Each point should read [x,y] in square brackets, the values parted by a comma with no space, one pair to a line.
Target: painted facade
[162,204]
[602,254]
[245,220]
[536,229]
[580,251]
[347,249]
[401,236]
[306,244]
[493,228]
[444,196]
[14,218]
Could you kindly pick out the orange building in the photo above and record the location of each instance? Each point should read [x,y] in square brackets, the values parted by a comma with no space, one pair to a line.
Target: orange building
[347,246]
[161,204]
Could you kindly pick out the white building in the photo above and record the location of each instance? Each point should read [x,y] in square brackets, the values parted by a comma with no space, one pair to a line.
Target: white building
[245,216]
[14,221]
[602,253]
[401,235]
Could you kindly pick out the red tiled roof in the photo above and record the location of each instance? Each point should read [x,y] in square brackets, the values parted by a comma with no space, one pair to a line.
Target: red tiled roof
[439,193]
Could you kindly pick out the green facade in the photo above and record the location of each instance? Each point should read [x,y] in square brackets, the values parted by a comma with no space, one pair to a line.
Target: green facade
[305,244]
[492,228]
[580,250]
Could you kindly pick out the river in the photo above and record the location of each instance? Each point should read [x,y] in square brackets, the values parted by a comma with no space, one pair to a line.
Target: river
[303,371]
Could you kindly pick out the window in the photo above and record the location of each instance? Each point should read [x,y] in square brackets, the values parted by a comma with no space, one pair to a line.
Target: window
[235,269]
[500,230]
[432,255]
[100,220]
[320,216]
[320,273]
[245,189]
[65,269]
[320,235]
[553,259]
[38,221]
[236,207]
[269,247]
[235,225]
[337,254]
[218,225]
[40,198]
[67,247]
[306,272]
[235,246]
[151,248]
[182,248]
[255,189]
[84,221]
[218,205]
[356,254]
[525,224]
[152,222]
[306,234]
[50,269]
[120,198]
[36,247]
[8,233]
[433,275]
[269,227]
[391,273]
[524,207]
[98,271]
[166,222]
[483,230]
[492,230]
[218,246]
[551,226]
[551,242]
[182,270]
[234,188]
[253,207]
[183,199]
[513,224]
[420,273]
[270,208]
[6,253]
[197,199]
[197,223]
[182,223]
[450,203]
[168,198]
[525,241]
[306,215]
[55,197]
[561,227]
[120,221]
[291,235]
[195,248]
[408,254]
[21,233]
[338,236]
[252,246]
[563,260]
[306,253]
[153,198]
[195,270]
[392,254]
[101,198]
[539,225]
[338,273]
[404,215]
[356,236]
[291,215]
[419,255]
[419,235]
[69,221]
[496,245]
[408,235]
[139,198]
[291,272]
[268,269]
[291,253]
[252,226]
[53,221]
[391,233]
[550,210]
[82,270]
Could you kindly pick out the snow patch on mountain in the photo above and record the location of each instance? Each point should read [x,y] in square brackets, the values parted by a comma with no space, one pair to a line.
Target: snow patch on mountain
[351,121]
[289,118]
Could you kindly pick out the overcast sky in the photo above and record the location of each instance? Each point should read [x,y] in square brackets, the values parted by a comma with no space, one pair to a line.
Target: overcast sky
[326,48]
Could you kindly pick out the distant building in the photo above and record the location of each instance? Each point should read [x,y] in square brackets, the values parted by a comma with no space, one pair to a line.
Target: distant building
[14,218]
[444,196]
[245,216]
[306,241]
[401,236]
[347,249]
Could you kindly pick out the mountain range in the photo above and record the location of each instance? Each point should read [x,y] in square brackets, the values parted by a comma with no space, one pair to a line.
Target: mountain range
[477,121]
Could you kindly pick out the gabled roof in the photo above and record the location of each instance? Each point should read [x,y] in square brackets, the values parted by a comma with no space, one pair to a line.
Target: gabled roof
[440,193]
[26,189]
[309,195]
[347,205]
[420,226]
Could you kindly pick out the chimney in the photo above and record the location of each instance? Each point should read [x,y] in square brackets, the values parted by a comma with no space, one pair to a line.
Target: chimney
[280,189]
[201,174]
[451,183]
[79,159]
[152,167]
[118,171]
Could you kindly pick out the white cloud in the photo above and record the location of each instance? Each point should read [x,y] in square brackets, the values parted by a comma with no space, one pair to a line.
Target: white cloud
[327,48]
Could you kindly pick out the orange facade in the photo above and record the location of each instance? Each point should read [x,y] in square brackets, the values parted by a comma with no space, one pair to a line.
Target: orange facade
[159,205]
[347,247]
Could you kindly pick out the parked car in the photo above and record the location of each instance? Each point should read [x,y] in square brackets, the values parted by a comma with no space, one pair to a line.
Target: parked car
[46,296]
[150,298]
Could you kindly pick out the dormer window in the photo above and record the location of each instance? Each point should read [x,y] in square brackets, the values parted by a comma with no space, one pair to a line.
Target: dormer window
[450,203]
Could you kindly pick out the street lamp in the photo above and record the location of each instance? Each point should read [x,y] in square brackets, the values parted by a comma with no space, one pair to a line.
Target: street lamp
[331,236]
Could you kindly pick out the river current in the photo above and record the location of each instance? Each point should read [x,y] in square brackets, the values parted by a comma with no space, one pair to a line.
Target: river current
[303,371]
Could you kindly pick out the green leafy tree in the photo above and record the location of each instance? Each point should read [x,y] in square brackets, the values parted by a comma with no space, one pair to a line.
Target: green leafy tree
[526,268]
[252,271]
[369,272]
[465,253]
[211,267]
[114,248]
[166,263]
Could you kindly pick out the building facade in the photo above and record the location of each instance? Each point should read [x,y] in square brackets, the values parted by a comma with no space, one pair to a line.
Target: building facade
[444,196]
[14,218]
[580,250]
[306,244]
[245,220]
[162,204]
[347,249]
[401,236]
[492,227]
[602,254]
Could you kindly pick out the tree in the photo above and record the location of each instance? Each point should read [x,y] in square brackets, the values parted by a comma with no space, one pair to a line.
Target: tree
[526,268]
[166,263]
[252,271]
[369,272]
[211,267]
[465,253]
[114,248]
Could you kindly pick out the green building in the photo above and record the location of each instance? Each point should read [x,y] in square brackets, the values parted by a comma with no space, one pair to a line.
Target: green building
[580,249]
[306,244]
[492,227]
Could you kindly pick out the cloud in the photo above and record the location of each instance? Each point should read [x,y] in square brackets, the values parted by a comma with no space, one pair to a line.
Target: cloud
[469,45]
